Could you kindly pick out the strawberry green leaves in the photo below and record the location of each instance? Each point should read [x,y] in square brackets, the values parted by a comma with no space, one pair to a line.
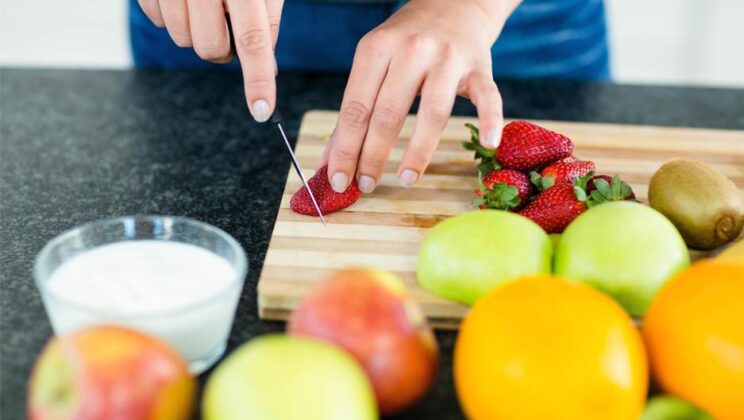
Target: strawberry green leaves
[502,189]
[487,157]
[499,197]
[601,191]
[541,182]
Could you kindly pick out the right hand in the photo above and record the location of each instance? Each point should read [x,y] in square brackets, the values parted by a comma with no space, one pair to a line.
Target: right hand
[202,24]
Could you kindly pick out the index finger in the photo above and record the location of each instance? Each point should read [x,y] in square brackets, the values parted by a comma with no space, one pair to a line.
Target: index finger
[367,73]
[250,23]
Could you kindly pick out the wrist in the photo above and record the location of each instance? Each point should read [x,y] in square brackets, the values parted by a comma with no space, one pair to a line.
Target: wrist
[496,12]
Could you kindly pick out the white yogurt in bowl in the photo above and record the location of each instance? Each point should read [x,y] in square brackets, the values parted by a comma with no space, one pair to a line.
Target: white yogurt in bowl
[182,293]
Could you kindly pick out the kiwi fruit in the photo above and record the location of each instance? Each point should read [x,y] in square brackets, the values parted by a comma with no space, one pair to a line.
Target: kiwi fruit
[704,205]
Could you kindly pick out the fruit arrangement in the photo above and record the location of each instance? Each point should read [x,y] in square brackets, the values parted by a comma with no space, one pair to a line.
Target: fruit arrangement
[539,337]
[533,172]
[356,347]
[537,346]
[577,310]
[577,352]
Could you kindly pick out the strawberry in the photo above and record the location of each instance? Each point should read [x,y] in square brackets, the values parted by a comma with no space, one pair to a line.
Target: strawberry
[556,207]
[604,188]
[526,146]
[329,201]
[563,171]
[503,189]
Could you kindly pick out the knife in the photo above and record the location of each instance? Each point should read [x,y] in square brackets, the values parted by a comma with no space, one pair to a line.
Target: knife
[277,119]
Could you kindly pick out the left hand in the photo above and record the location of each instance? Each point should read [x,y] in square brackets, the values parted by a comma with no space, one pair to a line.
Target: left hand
[438,48]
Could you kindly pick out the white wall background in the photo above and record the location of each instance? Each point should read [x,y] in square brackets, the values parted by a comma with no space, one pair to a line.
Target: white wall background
[698,42]
[64,33]
[677,41]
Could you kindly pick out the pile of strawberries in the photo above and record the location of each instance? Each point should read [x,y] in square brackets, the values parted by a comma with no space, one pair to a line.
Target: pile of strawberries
[534,173]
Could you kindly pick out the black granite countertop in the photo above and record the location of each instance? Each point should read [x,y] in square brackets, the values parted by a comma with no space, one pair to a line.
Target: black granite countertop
[82,145]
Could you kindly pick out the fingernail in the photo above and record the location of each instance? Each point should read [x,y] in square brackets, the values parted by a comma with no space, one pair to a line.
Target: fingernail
[339,182]
[366,184]
[493,138]
[260,111]
[408,177]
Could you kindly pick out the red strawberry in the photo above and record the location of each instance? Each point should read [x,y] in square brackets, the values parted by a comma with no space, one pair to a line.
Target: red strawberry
[503,189]
[556,207]
[328,200]
[603,188]
[526,146]
[563,171]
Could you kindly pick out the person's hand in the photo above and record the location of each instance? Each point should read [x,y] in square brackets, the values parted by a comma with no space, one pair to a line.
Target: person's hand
[202,24]
[438,48]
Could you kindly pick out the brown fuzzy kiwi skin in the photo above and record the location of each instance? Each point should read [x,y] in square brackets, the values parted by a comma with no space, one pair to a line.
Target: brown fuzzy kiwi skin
[705,206]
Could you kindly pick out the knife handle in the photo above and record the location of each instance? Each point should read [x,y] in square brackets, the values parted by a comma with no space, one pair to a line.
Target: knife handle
[276,117]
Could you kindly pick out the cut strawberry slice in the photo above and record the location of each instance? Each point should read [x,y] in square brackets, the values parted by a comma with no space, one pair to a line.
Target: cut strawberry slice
[329,201]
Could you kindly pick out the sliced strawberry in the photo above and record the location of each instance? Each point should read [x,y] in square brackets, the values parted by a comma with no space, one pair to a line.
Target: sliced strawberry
[563,171]
[329,201]
[503,189]
[526,146]
[556,207]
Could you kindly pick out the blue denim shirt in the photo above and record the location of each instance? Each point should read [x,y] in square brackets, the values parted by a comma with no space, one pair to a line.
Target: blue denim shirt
[542,39]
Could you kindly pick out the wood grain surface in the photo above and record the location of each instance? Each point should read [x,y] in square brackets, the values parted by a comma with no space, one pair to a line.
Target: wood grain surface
[384,229]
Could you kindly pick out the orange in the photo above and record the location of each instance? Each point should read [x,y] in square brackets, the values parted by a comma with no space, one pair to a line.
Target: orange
[546,348]
[694,332]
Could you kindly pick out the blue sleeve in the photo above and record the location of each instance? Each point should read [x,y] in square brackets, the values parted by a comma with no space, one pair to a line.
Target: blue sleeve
[542,39]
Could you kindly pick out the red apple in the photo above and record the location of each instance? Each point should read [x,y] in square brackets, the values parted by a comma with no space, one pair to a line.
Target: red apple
[369,313]
[110,373]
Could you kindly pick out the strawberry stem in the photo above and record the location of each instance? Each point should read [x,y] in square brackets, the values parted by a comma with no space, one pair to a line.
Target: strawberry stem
[487,157]
[605,191]
[540,182]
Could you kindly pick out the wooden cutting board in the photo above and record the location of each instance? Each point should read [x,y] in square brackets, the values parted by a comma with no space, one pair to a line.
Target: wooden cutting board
[384,229]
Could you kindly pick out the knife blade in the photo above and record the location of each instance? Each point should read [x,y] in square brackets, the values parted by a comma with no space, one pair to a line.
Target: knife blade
[276,119]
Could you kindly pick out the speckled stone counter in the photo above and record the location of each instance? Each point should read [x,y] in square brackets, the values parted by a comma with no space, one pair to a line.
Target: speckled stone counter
[82,145]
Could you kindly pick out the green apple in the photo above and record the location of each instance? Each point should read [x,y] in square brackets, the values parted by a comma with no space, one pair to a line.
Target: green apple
[282,377]
[465,256]
[671,408]
[626,249]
